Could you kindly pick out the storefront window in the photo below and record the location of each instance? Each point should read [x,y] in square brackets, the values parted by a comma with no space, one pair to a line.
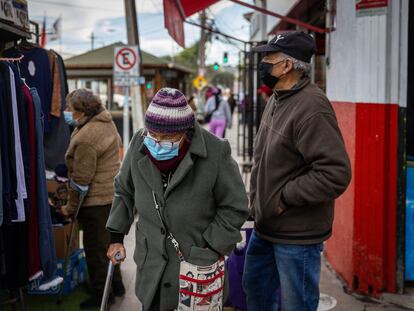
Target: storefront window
[98,87]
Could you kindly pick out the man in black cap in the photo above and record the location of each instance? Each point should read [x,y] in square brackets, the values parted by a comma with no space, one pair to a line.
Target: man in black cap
[300,168]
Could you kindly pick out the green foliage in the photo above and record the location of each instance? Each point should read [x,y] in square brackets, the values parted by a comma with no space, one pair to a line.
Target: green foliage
[188,57]
[224,79]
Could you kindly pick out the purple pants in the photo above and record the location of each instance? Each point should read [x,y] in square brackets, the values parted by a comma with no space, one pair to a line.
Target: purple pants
[217,127]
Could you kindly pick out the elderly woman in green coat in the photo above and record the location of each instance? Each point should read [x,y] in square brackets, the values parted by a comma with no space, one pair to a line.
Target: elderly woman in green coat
[198,188]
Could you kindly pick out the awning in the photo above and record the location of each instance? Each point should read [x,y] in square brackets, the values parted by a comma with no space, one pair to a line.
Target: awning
[175,12]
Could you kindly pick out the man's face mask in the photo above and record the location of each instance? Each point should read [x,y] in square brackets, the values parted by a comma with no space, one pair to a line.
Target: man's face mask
[265,72]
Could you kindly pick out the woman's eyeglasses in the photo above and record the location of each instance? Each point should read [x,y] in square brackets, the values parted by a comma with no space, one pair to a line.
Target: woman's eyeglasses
[165,144]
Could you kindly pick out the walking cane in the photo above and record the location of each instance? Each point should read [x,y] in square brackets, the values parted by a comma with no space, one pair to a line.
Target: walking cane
[82,190]
[108,282]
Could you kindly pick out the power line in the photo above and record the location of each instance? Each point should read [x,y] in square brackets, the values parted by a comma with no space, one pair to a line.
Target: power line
[75,5]
[222,21]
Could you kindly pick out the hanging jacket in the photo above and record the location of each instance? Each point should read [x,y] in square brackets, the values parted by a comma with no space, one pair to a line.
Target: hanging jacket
[8,150]
[57,141]
[47,244]
[20,172]
[33,211]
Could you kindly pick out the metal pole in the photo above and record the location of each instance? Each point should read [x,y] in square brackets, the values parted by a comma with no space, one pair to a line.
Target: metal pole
[202,44]
[126,120]
[245,101]
[133,39]
[92,40]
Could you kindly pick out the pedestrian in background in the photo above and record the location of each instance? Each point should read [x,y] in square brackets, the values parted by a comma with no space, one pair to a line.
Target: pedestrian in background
[218,114]
[93,159]
[300,168]
[191,103]
[191,175]
[232,102]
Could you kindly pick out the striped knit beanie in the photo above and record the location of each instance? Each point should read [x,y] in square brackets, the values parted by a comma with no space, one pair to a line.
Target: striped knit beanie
[169,113]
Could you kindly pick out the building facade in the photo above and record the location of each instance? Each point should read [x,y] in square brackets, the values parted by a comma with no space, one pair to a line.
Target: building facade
[363,64]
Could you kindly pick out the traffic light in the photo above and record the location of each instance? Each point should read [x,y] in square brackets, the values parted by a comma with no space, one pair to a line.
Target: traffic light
[225,57]
[216,66]
[149,85]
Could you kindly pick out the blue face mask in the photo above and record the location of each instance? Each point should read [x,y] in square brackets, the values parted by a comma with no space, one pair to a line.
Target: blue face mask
[163,150]
[68,115]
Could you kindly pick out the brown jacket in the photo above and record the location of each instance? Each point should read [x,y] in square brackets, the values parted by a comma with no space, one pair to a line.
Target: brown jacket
[300,167]
[93,159]
[56,104]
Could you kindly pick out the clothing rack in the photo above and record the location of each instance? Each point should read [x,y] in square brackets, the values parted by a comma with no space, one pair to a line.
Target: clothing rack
[14,299]
[9,33]
[11,59]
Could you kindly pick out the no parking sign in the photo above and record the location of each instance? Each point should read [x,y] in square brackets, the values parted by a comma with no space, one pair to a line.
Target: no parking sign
[126,62]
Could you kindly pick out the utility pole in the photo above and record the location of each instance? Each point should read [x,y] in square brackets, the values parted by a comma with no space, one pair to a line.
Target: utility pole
[133,39]
[92,37]
[264,22]
[202,44]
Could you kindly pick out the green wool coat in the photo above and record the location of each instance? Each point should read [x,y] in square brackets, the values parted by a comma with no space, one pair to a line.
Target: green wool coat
[204,207]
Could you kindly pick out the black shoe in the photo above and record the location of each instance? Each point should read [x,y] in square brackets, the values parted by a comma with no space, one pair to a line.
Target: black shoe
[94,302]
[118,289]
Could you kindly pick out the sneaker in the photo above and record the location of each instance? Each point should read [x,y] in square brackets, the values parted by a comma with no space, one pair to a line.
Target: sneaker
[94,302]
[118,289]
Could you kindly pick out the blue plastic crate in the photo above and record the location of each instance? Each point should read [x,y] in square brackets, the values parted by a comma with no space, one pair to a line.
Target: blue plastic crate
[409,226]
[76,275]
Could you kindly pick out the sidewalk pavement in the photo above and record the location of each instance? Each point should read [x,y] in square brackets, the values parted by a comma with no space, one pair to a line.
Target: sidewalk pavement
[333,295]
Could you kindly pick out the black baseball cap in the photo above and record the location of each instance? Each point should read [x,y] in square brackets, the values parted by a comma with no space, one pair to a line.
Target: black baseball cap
[297,44]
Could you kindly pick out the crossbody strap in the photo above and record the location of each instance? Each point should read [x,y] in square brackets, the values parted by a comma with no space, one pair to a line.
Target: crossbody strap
[174,242]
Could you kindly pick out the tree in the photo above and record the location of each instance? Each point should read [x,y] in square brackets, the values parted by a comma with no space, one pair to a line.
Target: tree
[188,57]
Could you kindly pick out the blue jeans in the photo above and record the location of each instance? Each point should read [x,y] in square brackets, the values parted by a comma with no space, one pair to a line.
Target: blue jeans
[295,269]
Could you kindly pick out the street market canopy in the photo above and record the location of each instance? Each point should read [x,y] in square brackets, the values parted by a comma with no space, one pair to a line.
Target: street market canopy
[175,13]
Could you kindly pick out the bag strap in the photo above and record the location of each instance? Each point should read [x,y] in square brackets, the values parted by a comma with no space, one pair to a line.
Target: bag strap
[170,236]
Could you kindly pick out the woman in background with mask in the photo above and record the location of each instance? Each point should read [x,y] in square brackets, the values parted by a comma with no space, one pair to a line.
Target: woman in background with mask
[93,160]
[196,183]
[221,116]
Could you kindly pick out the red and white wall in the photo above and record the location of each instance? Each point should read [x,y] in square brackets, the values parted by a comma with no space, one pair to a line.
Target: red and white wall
[367,84]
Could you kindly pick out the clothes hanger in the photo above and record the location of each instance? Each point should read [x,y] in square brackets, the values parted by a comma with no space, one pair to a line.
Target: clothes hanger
[25,45]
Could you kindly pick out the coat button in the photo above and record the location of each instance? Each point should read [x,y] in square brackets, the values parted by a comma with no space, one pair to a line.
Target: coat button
[167,285]
[162,231]
[164,257]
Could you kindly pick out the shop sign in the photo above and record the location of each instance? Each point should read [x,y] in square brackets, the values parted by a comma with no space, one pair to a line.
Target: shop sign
[371,7]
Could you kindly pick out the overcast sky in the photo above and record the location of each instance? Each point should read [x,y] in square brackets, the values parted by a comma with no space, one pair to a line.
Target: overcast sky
[105,18]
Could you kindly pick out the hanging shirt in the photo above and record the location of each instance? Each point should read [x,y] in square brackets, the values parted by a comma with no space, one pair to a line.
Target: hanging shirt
[34,263]
[35,67]
[1,192]
[7,147]
[47,245]
[20,175]
[57,141]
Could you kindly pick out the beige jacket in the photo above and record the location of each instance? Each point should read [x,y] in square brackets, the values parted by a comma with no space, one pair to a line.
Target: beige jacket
[93,159]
